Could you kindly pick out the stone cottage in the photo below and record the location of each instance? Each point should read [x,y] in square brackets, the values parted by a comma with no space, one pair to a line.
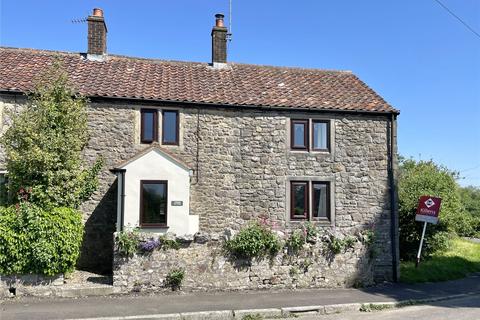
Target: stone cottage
[203,147]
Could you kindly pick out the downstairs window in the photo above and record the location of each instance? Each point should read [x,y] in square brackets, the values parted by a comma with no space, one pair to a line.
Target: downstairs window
[153,203]
[310,200]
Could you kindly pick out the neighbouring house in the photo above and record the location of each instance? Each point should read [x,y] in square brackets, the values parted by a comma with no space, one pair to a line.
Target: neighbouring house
[200,148]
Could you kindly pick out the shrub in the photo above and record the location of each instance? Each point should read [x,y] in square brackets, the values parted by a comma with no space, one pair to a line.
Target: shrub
[174,278]
[253,241]
[127,242]
[368,236]
[296,241]
[166,244]
[33,240]
[427,178]
[338,245]
[311,232]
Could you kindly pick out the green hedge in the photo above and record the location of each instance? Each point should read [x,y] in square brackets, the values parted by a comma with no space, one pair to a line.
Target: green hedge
[33,240]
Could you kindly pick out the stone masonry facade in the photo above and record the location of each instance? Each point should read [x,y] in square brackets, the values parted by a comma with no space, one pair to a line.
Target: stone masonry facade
[242,165]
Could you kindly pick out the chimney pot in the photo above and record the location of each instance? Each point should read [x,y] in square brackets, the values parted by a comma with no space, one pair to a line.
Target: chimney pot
[97,12]
[219,20]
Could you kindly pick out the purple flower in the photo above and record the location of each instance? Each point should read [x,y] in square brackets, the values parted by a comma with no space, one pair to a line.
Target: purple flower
[149,245]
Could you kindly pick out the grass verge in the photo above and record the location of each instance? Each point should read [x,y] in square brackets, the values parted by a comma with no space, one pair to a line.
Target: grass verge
[462,258]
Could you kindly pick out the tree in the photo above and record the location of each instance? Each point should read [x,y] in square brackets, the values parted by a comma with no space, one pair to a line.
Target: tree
[470,198]
[44,146]
[427,178]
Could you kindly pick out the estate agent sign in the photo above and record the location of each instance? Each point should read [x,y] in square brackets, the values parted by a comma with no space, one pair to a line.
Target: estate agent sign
[427,211]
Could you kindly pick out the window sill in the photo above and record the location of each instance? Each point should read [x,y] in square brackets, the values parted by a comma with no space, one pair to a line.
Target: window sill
[323,152]
[154,226]
[323,223]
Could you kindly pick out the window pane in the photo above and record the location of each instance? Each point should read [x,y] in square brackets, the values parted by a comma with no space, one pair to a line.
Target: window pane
[154,203]
[299,135]
[148,126]
[170,127]
[320,198]
[320,135]
[299,199]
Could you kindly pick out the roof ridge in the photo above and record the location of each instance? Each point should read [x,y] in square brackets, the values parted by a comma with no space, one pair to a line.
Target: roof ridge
[119,56]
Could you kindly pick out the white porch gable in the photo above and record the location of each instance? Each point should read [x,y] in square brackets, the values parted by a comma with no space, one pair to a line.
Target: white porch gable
[157,166]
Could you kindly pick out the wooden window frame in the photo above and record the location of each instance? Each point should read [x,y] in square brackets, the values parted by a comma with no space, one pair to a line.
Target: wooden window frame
[142,125]
[153,225]
[328,205]
[306,200]
[313,135]
[306,134]
[177,128]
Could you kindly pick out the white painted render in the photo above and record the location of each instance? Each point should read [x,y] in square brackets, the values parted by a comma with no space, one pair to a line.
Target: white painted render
[156,165]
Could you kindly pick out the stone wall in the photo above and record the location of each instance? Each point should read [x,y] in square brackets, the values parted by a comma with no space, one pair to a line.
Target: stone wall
[208,267]
[242,165]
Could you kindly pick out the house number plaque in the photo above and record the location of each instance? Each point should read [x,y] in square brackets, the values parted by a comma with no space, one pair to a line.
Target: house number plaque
[177,203]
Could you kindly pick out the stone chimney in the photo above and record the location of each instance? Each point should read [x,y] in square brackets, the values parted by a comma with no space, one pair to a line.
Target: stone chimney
[219,41]
[97,33]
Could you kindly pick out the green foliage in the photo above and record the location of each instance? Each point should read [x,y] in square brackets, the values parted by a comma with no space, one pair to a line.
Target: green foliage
[253,241]
[33,240]
[470,199]
[293,272]
[44,145]
[338,245]
[296,241]
[127,242]
[166,244]
[427,178]
[174,278]
[461,259]
[311,232]
[368,236]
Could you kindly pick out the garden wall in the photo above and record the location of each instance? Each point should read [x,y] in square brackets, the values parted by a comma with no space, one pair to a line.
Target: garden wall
[209,268]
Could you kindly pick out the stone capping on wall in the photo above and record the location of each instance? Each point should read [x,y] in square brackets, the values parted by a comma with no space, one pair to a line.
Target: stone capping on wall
[208,268]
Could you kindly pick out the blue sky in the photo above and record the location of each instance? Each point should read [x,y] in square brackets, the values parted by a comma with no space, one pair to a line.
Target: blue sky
[412,52]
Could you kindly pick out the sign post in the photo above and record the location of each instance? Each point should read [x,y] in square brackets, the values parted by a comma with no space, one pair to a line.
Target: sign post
[427,211]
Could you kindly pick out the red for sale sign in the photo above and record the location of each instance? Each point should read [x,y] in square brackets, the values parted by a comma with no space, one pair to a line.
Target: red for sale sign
[428,209]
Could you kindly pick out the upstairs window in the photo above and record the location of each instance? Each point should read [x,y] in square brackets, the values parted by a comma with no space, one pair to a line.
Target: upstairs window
[153,203]
[320,132]
[317,130]
[149,125]
[170,126]
[299,134]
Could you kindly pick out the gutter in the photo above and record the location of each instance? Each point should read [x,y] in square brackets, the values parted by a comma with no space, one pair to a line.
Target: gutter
[391,145]
[121,172]
[149,102]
